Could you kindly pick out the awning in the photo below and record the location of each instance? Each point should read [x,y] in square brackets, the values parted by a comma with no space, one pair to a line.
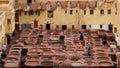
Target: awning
[92,4]
[82,4]
[33,6]
[73,4]
[64,4]
[43,6]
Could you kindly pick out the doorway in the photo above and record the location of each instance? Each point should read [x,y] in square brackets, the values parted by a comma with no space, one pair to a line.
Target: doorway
[35,24]
[8,39]
[84,27]
[17,27]
[73,27]
[57,26]
[110,27]
[29,1]
[64,27]
[47,26]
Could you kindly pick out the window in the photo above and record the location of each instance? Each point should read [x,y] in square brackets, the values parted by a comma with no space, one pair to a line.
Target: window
[57,26]
[36,12]
[71,12]
[89,26]
[35,1]
[84,12]
[50,14]
[115,29]
[64,27]
[31,12]
[101,26]
[65,11]
[16,1]
[9,21]
[109,11]
[73,27]
[102,11]
[91,12]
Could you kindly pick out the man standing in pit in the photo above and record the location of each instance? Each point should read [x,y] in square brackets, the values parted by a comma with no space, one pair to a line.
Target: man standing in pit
[89,49]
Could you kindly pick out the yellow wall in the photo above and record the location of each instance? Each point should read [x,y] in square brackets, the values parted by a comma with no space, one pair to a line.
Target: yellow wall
[9,15]
[60,18]
[118,18]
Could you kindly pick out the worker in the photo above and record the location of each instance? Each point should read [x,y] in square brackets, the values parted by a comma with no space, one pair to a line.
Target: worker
[4,47]
[89,49]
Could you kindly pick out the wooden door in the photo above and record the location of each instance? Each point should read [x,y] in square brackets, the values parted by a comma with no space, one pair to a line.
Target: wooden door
[16,17]
[35,24]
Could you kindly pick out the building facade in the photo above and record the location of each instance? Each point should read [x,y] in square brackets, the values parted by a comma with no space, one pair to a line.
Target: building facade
[80,14]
